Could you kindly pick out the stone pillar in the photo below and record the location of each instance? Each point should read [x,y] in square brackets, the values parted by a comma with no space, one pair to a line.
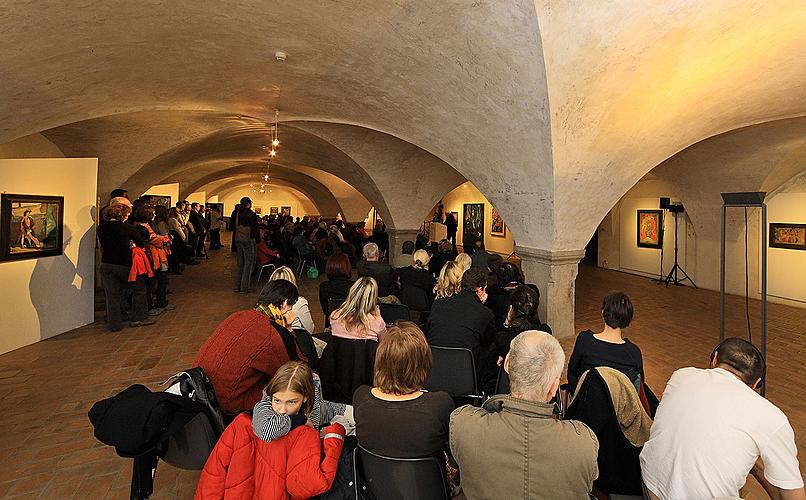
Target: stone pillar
[555,274]
[396,239]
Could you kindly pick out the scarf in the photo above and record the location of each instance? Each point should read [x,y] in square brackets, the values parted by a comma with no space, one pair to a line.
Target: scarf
[272,312]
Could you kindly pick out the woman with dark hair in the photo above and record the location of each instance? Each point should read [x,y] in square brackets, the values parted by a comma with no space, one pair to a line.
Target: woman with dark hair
[445,252]
[522,316]
[338,271]
[396,418]
[245,350]
[499,295]
[609,347]
[160,222]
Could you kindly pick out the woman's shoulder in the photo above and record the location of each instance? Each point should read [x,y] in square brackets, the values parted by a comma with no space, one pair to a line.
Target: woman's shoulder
[301,301]
[361,394]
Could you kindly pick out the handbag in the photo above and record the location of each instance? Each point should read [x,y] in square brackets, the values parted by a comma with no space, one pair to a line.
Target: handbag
[242,233]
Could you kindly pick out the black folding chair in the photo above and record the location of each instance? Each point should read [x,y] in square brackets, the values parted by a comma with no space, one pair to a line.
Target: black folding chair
[454,371]
[401,478]
[393,312]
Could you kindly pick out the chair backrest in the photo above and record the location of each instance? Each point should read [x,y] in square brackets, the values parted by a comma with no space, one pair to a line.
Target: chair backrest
[333,304]
[454,371]
[345,365]
[415,298]
[393,312]
[402,478]
[189,447]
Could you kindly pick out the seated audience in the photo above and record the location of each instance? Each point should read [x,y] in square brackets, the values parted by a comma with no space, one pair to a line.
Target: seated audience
[359,317]
[608,348]
[480,257]
[450,280]
[266,254]
[500,293]
[462,320]
[245,350]
[384,274]
[445,252]
[303,320]
[712,428]
[417,283]
[338,283]
[512,447]
[297,464]
[396,418]
[465,261]
[522,316]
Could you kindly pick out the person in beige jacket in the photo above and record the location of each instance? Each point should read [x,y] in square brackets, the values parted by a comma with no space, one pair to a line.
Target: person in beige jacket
[513,447]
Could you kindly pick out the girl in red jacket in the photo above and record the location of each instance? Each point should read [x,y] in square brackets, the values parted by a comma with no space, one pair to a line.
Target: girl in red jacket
[242,466]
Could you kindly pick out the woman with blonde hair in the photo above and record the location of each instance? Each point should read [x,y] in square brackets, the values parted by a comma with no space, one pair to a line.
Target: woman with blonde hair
[417,283]
[464,260]
[450,280]
[303,321]
[396,418]
[359,317]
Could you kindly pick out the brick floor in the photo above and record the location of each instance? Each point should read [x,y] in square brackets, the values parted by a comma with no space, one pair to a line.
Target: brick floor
[47,446]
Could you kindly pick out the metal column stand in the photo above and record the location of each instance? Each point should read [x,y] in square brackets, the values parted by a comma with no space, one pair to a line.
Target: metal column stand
[745,200]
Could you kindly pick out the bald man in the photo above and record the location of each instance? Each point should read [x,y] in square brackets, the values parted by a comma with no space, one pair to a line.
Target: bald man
[512,447]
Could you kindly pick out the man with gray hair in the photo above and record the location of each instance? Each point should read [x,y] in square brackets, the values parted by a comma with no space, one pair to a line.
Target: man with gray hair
[512,447]
[384,274]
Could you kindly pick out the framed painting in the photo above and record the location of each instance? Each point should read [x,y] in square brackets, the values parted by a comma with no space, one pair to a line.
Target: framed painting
[286,211]
[258,210]
[473,224]
[31,226]
[165,201]
[650,228]
[274,211]
[498,227]
[791,236]
[216,206]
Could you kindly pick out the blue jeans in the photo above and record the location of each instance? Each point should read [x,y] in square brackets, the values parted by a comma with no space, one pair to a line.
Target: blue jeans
[246,252]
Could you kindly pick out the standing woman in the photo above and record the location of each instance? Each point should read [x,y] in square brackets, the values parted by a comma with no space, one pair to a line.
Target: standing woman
[116,238]
[359,317]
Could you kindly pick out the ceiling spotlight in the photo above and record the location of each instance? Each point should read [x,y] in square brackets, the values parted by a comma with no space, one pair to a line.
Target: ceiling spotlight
[266,177]
[275,142]
[272,153]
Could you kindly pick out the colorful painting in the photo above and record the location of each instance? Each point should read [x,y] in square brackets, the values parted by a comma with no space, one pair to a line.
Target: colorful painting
[650,228]
[473,224]
[258,210]
[286,211]
[165,201]
[274,211]
[498,227]
[216,206]
[791,236]
[31,226]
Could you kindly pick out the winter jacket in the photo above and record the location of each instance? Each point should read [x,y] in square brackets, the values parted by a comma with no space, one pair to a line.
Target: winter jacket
[291,467]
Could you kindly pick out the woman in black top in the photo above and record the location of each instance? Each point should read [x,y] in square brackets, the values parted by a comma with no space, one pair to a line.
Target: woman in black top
[499,294]
[116,238]
[608,348]
[522,316]
[396,418]
[417,283]
[337,286]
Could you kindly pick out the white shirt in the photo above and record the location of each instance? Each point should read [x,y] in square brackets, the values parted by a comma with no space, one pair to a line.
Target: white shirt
[708,432]
[304,319]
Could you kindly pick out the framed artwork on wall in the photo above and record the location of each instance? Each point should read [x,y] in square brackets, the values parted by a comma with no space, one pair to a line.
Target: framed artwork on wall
[258,210]
[274,211]
[473,224]
[790,236]
[497,226]
[650,228]
[285,211]
[165,201]
[216,206]
[31,226]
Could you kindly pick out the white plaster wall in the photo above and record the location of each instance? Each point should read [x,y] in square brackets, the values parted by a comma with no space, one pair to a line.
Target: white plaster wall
[279,197]
[171,190]
[198,197]
[787,268]
[455,200]
[212,199]
[51,295]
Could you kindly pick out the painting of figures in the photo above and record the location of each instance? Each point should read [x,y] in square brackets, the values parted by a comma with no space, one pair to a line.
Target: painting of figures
[498,227]
[650,228]
[473,224]
[31,226]
[791,236]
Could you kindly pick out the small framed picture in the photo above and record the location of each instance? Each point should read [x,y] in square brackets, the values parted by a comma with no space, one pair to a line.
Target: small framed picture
[790,236]
[650,228]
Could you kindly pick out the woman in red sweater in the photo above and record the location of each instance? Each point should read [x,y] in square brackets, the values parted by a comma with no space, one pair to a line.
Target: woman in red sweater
[242,466]
[245,350]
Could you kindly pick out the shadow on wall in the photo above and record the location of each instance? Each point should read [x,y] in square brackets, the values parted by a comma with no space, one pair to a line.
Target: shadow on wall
[57,285]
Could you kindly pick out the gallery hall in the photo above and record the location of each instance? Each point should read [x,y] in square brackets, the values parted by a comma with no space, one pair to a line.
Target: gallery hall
[403,250]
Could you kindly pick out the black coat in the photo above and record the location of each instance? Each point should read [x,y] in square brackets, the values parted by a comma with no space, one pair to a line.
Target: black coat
[337,288]
[460,321]
[416,288]
[504,337]
[384,274]
[346,365]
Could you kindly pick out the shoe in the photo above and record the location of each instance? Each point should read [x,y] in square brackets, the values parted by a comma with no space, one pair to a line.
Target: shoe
[169,307]
[155,311]
[142,322]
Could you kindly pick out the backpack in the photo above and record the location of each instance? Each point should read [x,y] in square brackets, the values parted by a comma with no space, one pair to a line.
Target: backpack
[242,233]
[194,384]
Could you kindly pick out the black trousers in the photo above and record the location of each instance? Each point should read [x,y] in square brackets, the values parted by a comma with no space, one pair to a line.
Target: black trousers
[115,280]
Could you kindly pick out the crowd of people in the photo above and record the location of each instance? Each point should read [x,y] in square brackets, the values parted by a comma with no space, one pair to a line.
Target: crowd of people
[710,431]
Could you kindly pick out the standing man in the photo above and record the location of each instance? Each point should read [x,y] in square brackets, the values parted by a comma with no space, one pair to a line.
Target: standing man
[452,224]
[711,429]
[199,226]
[245,236]
[214,221]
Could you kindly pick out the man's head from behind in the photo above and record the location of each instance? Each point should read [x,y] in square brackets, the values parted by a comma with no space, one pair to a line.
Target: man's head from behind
[534,364]
[741,358]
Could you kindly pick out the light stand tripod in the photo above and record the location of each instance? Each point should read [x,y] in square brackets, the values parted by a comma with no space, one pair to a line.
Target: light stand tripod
[672,277]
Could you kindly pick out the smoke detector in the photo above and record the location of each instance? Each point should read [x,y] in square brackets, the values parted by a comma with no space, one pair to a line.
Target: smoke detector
[280,55]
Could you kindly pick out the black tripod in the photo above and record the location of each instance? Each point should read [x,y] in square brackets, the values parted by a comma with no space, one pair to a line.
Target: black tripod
[672,277]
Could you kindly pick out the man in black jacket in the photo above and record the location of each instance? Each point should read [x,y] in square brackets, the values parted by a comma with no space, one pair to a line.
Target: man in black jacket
[462,320]
[199,228]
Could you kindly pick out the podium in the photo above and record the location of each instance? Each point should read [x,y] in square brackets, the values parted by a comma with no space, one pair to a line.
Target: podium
[437,232]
